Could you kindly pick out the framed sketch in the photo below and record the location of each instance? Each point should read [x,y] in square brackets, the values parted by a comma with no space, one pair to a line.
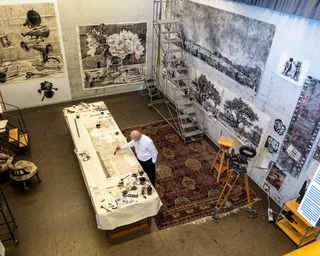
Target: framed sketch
[292,68]
[272,145]
[32,49]
[112,54]
[275,176]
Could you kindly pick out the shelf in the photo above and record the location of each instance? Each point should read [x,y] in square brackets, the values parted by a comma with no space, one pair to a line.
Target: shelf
[292,205]
[300,226]
[288,229]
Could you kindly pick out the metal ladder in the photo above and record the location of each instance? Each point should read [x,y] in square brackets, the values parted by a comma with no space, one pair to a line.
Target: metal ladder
[169,66]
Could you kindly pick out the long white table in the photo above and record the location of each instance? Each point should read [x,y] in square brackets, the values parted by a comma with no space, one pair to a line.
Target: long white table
[95,135]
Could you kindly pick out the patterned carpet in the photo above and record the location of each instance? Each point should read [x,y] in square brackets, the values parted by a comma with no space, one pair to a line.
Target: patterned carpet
[184,183]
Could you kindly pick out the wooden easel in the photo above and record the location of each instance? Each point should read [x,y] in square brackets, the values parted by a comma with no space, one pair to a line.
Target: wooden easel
[220,163]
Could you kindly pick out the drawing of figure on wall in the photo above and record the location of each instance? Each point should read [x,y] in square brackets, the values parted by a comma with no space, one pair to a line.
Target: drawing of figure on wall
[30,48]
[292,68]
[297,70]
[288,67]
[44,49]
[38,33]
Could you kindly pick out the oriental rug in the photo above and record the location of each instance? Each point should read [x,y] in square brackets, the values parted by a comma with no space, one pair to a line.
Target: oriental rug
[187,188]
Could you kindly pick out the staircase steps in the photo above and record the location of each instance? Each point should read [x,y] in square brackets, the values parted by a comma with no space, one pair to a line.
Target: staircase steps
[23,140]
[192,133]
[186,87]
[174,59]
[171,41]
[177,69]
[170,32]
[13,135]
[172,50]
[165,22]
[187,125]
[186,116]
[175,73]
[18,138]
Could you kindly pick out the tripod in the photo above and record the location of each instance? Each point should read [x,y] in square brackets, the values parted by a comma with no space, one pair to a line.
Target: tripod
[228,185]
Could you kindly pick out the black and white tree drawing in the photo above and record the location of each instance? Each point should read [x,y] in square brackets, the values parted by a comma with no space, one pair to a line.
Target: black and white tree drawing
[238,113]
[234,113]
[207,95]
[241,117]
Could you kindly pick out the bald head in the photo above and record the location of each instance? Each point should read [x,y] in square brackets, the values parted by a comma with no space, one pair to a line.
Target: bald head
[135,135]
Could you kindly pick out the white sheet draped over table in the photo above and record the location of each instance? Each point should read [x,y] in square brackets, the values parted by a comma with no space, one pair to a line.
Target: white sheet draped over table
[95,135]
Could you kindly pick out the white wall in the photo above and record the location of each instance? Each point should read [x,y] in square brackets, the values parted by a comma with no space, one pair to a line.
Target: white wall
[276,97]
[74,13]
[25,93]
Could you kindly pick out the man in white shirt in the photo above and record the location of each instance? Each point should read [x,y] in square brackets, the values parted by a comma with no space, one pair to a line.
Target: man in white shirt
[146,153]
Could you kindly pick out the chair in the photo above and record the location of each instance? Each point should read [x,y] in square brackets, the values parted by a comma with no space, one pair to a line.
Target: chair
[3,162]
[22,171]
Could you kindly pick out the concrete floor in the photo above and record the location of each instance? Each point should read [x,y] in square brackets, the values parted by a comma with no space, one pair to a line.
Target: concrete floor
[56,217]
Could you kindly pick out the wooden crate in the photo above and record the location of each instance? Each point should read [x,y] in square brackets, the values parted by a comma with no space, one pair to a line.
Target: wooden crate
[141,225]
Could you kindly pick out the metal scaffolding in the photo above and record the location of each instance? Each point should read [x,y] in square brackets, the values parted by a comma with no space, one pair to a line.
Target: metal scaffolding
[171,83]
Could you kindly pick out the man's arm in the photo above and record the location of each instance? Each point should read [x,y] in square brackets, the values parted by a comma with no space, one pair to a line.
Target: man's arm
[153,151]
[130,144]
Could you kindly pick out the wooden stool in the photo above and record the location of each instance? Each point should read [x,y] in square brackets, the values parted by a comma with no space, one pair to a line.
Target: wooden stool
[220,163]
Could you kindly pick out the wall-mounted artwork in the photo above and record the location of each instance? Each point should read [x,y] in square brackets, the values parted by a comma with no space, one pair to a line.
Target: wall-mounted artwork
[230,110]
[47,89]
[292,68]
[112,54]
[272,145]
[275,176]
[316,155]
[232,44]
[31,46]
[303,129]
[279,127]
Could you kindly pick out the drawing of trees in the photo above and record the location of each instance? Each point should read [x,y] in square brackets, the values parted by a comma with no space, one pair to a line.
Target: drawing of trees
[207,95]
[241,117]
[238,113]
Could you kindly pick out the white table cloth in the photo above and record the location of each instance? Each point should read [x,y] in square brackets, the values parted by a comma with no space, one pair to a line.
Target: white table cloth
[95,135]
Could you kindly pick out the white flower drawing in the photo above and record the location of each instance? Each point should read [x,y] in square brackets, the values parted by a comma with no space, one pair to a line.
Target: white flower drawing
[125,43]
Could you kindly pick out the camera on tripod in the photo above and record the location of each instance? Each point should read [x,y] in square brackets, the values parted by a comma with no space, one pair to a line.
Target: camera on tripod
[240,160]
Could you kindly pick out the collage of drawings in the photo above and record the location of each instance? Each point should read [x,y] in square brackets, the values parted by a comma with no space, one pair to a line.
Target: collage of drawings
[115,54]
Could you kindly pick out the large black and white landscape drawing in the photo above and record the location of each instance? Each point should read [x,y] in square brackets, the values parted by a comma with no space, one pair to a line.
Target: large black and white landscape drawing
[29,42]
[303,129]
[230,43]
[112,54]
[231,111]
